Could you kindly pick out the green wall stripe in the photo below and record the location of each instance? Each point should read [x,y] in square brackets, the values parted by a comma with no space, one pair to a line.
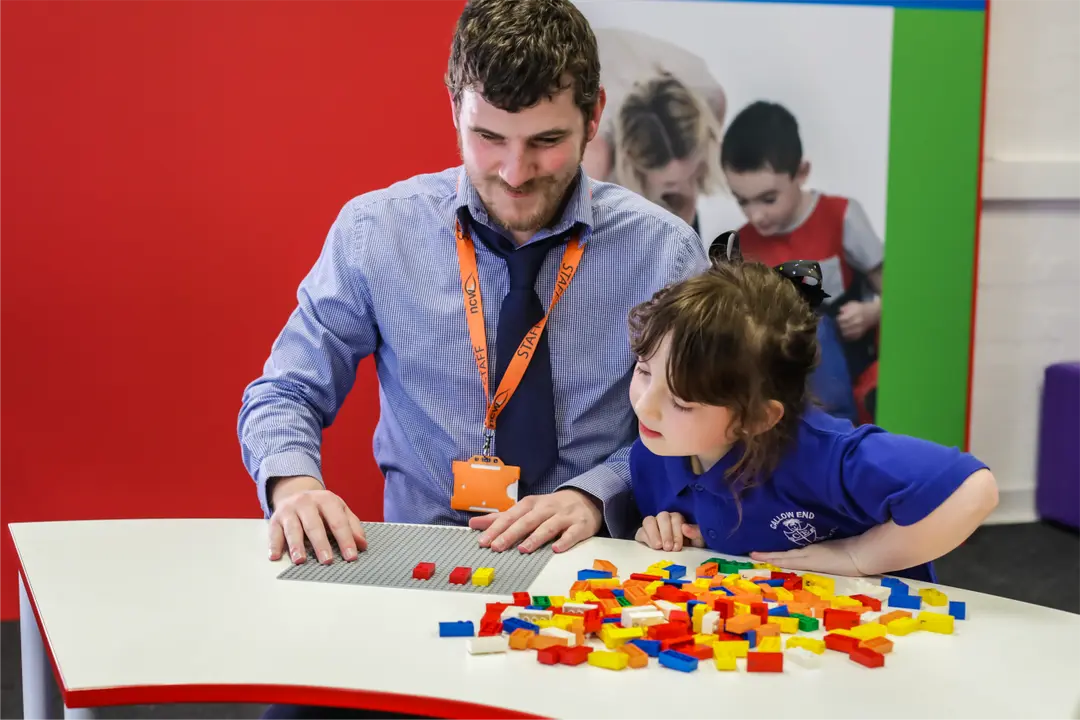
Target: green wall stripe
[935,112]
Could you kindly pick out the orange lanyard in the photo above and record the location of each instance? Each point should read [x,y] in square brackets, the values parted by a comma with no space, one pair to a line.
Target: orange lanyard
[474,313]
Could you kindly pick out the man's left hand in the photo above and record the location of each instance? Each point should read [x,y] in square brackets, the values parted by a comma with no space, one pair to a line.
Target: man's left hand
[570,514]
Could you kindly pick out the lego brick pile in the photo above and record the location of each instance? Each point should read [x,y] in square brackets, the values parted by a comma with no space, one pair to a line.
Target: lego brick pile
[730,611]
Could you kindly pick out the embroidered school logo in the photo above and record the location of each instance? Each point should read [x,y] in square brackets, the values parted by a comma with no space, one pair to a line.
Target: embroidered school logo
[798,527]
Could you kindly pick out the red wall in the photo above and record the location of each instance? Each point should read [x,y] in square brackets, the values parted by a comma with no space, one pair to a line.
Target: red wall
[170,171]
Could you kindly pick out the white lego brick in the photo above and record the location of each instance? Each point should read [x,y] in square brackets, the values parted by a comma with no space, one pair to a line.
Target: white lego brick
[578,608]
[751,573]
[534,615]
[870,589]
[803,657]
[711,623]
[514,611]
[642,619]
[666,607]
[571,638]
[488,644]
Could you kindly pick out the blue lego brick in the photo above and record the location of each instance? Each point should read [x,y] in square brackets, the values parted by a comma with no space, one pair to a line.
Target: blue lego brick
[618,592]
[907,602]
[611,619]
[779,611]
[463,628]
[690,604]
[593,574]
[678,661]
[958,609]
[676,571]
[721,589]
[749,636]
[676,583]
[894,583]
[536,607]
[773,582]
[512,623]
[651,647]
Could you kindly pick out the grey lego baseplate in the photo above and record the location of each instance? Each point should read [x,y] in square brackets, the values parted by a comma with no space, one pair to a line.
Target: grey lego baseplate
[394,549]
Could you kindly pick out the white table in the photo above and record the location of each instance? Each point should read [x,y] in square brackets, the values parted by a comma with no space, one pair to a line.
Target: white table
[164,611]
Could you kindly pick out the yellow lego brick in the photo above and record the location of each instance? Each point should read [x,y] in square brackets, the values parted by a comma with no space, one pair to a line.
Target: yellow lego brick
[543,622]
[903,626]
[584,596]
[699,613]
[738,648]
[483,576]
[868,631]
[788,625]
[723,660]
[742,609]
[563,622]
[769,644]
[557,601]
[814,646]
[842,631]
[936,622]
[613,637]
[703,583]
[783,595]
[651,588]
[811,580]
[610,660]
[747,586]
[820,592]
[934,597]
[661,564]
[703,639]
[842,601]
[605,583]
[766,566]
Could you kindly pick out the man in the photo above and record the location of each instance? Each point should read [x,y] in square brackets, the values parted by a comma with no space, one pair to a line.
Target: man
[395,280]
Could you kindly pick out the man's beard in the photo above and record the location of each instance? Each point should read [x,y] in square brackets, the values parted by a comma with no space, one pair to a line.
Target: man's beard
[550,189]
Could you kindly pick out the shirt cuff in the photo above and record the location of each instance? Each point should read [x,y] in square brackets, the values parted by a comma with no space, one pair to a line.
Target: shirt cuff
[613,492]
[286,464]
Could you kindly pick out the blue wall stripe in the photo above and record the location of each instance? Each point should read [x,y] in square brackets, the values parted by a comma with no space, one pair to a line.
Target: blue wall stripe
[976,5]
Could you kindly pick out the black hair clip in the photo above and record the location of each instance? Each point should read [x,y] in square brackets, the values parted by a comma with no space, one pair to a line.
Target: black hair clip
[806,274]
[725,248]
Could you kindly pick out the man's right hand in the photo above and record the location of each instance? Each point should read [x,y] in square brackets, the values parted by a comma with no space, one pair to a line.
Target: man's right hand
[303,508]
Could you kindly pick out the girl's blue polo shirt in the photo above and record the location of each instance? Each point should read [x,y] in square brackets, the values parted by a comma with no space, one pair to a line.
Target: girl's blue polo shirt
[835,481]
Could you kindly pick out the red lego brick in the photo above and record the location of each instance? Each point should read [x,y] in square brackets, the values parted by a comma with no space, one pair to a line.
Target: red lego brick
[841,643]
[842,619]
[574,655]
[701,652]
[761,610]
[671,594]
[593,621]
[549,655]
[490,627]
[679,616]
[872,603]
[645,576]
[793,584]
[603,594]
[725,606]
[423,571]
[764,662]
[867,657]
[522,599]
[677,643]
[460,575]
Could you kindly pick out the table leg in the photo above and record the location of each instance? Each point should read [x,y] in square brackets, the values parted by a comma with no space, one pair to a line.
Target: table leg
[78,713]
[36,669]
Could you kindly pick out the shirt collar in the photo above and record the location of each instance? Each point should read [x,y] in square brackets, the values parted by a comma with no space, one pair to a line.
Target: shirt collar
[578,209]
[681,473]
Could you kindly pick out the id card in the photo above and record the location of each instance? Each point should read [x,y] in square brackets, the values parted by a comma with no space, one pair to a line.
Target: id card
[484,484]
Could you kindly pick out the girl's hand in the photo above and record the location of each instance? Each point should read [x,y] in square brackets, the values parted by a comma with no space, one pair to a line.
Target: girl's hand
[833,557]
[668,531]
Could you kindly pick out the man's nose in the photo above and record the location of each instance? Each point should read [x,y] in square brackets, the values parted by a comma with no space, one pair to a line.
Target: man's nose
[516,169]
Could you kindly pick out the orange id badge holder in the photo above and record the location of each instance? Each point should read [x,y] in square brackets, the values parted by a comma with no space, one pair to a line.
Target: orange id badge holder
[484,484]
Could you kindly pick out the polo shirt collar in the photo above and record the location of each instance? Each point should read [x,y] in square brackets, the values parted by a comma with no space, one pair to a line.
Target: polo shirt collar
[577,212]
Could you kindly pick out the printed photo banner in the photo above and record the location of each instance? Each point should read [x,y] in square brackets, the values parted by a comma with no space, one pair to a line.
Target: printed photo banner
[847,132]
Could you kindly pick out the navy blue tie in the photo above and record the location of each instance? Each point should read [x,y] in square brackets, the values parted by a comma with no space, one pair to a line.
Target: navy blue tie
[525,430]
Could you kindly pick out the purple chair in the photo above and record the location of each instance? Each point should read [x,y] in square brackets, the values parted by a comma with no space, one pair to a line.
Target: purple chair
[1057,492]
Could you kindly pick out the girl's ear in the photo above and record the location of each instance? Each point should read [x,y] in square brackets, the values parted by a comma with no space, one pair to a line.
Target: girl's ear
[766,419]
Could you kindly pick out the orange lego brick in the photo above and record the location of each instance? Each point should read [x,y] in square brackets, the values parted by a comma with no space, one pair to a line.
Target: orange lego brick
[539,642]
[605,565]
[638,657]
[579,586]
[708,570]
[894,615]
[768,593]
[741,623]
[797,608]
[767,630]
[878,644]
[805,596]
[519,639]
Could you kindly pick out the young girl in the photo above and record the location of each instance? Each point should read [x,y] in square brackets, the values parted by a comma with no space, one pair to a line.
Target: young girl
[733,456]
